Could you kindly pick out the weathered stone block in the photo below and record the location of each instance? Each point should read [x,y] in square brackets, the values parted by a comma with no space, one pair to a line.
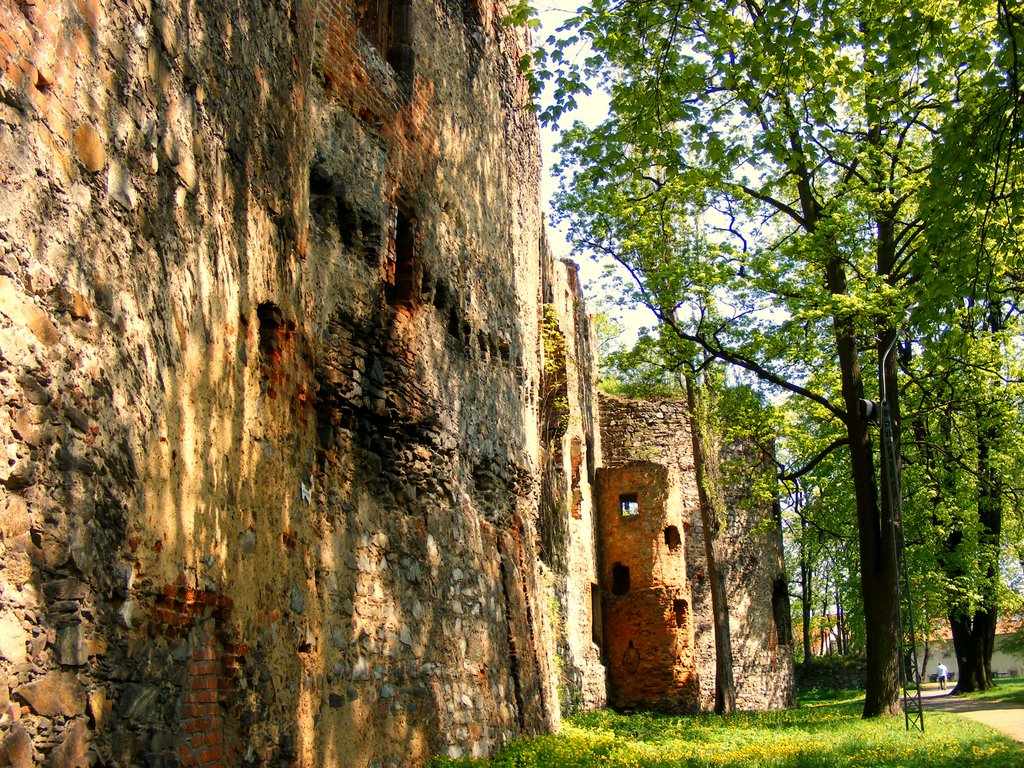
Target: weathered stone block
[56,693]
[16,747]
[66,589]
[99,706]
[138,701]
[23,312]
[89,146]
[13,639]
[73,750]
[71,648]
[14,517]
[120,187]
[168,32]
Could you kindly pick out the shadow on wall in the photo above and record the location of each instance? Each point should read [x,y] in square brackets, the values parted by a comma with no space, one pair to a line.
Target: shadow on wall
[414,408]
[160,533]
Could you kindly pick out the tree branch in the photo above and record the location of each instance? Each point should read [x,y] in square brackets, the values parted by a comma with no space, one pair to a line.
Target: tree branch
[774,203]
[815,460]
[717,350]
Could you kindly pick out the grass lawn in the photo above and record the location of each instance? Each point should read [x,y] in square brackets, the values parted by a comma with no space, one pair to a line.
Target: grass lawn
[826,731]
[1009,690]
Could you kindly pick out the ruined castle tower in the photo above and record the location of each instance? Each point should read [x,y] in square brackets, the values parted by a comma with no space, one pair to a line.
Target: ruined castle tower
[659,630]
[648,634]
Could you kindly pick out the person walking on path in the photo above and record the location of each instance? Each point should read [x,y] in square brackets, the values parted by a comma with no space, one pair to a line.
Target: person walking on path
[943,675]
[1005,716]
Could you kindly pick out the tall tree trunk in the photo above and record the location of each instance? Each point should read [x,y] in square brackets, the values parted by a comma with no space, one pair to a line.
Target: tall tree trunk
[970,637]
[879,575]
[840,624]
[874,530]
[712,513]
[877,567]
[874,527]
[974,635]
[822,647]
[826,616]
[806,576]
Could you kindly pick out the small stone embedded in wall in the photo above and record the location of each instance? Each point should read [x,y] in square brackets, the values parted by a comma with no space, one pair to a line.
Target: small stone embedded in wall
[138,701]
[361,669]
[247,541]
[13,639]
[90,148]
[120,187]
[70,646]
[23,311]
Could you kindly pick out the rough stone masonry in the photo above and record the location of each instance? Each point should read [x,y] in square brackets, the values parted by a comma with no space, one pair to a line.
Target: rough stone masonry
[299,414]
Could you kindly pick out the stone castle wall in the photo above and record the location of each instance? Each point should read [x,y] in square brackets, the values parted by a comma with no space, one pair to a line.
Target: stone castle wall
[659,432]
[570,445]
[271,374]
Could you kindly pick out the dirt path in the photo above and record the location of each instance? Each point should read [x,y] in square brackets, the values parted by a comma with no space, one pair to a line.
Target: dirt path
[1003,716]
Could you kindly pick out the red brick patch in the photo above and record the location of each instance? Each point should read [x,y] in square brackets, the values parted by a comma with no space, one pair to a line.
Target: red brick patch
[212,668]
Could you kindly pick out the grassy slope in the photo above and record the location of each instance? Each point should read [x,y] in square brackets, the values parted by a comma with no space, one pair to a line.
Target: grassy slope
[818,735]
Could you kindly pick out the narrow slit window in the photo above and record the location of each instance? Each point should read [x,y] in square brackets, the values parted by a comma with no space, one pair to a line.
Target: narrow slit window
[595,614]
[620,579]
[376,21]
[681,611]
[403,288]
[672,538]
[629,506]
[780,612]
[271,330]
[387,24]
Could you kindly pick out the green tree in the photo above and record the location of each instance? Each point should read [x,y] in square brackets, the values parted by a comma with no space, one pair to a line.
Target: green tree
[759,180]
[972,211]
[964,400]
[820,542]
[648,369]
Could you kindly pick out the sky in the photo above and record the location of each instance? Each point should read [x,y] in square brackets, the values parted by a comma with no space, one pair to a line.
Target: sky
[592,110]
